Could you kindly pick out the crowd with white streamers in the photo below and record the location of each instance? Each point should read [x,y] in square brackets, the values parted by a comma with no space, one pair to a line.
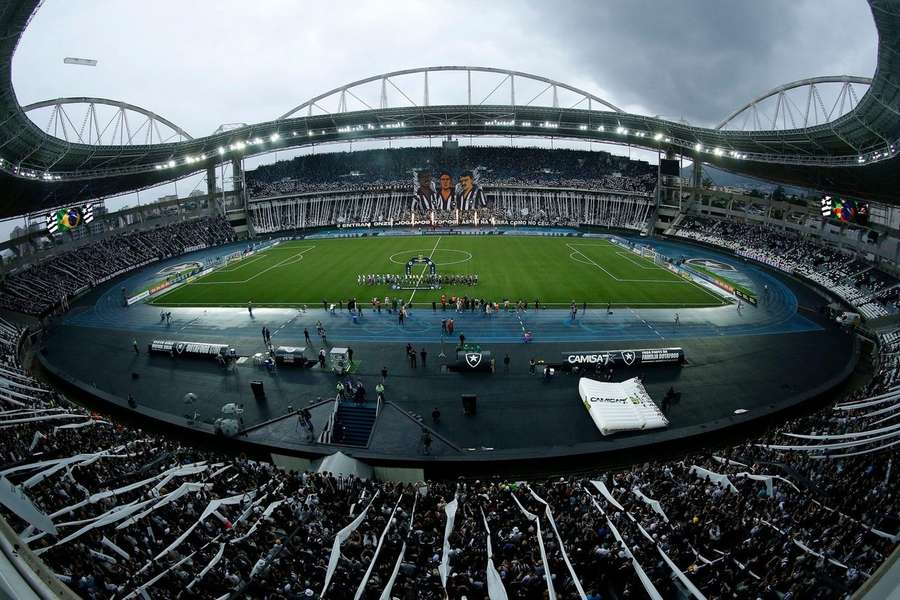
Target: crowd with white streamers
[507,206]
[284,187]
[51,283]
[382,170]
[807,510]
[871,291]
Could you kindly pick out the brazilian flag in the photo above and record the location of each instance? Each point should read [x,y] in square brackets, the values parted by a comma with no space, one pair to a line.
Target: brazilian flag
[66,219]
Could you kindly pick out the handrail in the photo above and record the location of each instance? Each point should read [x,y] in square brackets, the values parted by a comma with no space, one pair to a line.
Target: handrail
[42,582]
[328,429]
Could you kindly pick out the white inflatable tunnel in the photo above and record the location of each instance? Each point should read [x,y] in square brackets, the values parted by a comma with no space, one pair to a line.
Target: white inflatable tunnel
[624,406]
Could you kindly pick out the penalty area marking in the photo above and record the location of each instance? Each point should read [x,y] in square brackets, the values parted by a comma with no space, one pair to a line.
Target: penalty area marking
[238,264]
[630,259]
[677,280]
[467,256]
[588,261]
[294,258]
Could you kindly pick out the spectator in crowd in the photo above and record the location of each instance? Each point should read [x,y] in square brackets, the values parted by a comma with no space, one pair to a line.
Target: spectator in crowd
[48,285]
[145,515]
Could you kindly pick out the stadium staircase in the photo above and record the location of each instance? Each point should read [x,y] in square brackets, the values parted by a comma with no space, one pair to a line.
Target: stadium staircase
[358,420]
[673,226]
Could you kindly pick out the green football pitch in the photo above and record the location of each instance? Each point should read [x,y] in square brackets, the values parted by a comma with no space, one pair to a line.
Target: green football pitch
[554,270]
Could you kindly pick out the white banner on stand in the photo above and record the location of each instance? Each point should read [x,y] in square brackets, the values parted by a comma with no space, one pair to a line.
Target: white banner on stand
[444,567]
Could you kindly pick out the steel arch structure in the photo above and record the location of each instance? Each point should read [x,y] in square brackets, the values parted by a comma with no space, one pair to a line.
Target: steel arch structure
[854,154]
[509,79]
[784,106]
[97,130]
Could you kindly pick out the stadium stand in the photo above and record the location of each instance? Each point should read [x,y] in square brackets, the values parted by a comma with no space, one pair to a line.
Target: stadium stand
[522,185]
[388,169]
[136,513]
[391,206]
[44,286]
[871,291]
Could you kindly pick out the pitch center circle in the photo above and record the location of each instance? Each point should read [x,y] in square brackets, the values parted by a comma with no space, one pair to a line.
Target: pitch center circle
[407,254]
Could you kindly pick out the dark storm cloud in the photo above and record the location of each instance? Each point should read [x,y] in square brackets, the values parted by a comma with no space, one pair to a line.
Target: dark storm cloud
[700,59]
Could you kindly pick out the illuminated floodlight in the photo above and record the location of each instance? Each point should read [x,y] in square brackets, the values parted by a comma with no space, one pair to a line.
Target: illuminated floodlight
[658,137]
[601,128]
[621,130]
[698,146]
[171,163]
[221,150]
[668,139]
[717,152]
[582,127]
[274,137]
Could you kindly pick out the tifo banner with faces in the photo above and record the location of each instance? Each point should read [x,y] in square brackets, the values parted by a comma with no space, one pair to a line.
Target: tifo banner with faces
[444,191]
[624,406]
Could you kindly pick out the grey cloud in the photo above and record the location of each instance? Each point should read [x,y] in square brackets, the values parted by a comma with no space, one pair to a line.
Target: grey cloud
[700,59]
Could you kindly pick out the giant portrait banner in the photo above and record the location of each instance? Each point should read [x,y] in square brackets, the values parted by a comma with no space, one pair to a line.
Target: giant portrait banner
[446,192]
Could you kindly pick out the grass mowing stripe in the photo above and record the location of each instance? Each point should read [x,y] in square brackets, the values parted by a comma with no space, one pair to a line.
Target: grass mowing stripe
[509,267]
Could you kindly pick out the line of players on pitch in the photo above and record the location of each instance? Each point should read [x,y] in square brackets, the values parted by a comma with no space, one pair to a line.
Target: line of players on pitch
[393,279]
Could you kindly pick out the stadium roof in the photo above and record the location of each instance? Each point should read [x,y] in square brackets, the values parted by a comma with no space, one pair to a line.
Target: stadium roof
[856,154]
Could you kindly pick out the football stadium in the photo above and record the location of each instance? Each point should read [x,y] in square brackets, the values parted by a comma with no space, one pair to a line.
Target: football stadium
[458,331]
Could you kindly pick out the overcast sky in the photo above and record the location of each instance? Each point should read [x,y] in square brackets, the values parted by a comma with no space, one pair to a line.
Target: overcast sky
[202,63]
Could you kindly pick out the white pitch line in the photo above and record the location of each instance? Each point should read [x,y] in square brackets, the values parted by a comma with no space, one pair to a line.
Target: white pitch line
[240,264]
[275,266]
[419,280]
[575,250]
[600,304]
[591,261]
[625,255]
